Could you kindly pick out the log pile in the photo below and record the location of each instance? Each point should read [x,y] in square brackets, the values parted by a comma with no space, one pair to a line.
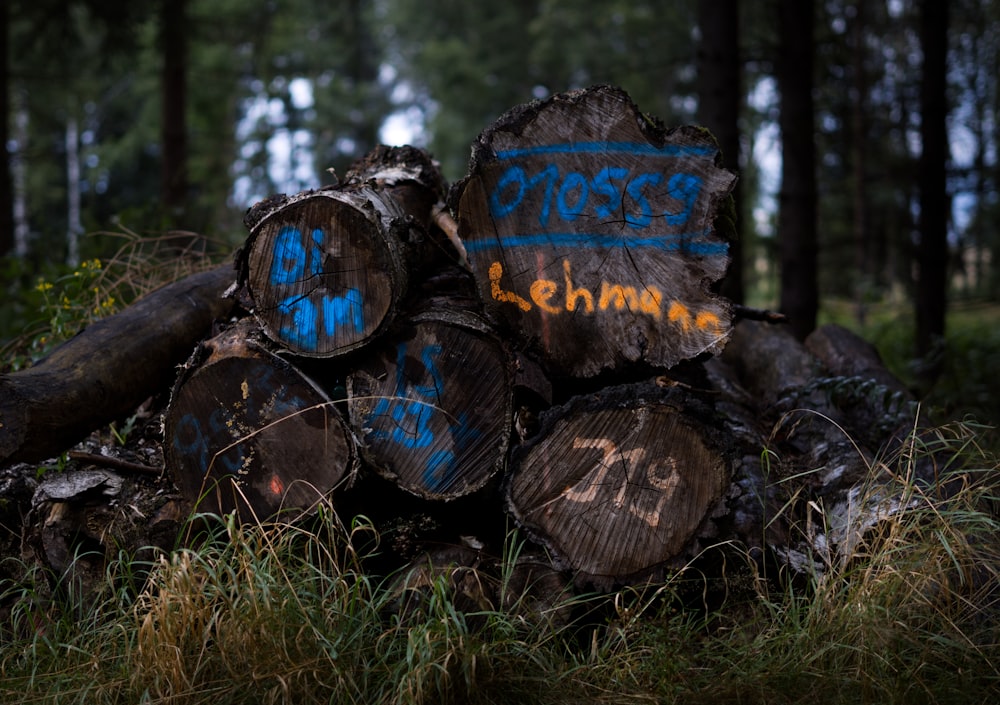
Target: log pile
[541,342]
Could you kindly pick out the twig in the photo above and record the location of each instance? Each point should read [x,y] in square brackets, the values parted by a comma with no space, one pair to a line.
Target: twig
[114,463]
[758,314]
[442,218]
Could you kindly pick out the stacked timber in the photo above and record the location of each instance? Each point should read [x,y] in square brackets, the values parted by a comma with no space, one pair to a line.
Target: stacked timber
[541,343]
[586,250]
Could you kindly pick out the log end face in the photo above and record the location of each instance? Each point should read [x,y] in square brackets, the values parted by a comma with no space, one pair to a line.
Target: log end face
[322,275]
[586,222]
[248,433]
[433,406]
[617,489]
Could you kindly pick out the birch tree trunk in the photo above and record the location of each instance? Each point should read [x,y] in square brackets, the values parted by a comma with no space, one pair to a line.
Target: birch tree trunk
[74,224]
[19,168]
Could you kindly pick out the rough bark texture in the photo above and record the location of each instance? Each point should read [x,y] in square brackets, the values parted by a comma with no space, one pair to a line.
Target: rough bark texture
[824,422]
[108,369]
[589,229]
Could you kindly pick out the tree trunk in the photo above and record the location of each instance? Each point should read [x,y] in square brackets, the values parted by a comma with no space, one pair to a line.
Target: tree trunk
[6,179]
[590,230]
[720,96]
[74,220]
[617,484]
[433,404]
[248,432]
[326,271]
[932,251]
[19,174]
[109,369]
[864,267]
[797,201]
[173,45]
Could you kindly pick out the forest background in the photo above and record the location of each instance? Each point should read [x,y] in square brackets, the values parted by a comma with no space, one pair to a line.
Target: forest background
[864,133]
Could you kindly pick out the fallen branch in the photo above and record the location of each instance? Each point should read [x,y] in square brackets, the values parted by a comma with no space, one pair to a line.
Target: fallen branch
[108,369]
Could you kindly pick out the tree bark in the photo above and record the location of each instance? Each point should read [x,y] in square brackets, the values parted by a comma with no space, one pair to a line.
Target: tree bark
[797,201]
[590,231]
[108,369]
[6,180]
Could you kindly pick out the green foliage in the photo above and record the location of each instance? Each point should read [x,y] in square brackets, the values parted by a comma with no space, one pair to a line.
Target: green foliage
[467,63]
[967,384]
[41,311]
[64,306]
[281,614]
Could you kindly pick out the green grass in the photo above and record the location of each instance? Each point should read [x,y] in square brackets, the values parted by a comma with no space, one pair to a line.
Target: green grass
[968,386]
[289,614]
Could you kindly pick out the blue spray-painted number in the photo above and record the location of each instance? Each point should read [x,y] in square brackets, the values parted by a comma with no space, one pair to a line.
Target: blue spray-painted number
[411,408]
[290,260]
[442,468]
[302,329]
[605,194]
[295,260]
[189,441]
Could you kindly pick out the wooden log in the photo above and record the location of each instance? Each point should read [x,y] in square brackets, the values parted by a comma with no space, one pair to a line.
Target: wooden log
[591,232]
[108,369]
[433,404]
[770,361]
[846,354]
[832,423]
[616,484]
[84,518]
[247,432]
[324,271]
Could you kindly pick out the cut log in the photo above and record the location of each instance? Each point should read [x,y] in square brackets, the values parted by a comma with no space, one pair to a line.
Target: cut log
[433,405]
[590,230]
[616,484]
[108,369]
[324,271]
[770,361]
[832,423]
[247,432]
